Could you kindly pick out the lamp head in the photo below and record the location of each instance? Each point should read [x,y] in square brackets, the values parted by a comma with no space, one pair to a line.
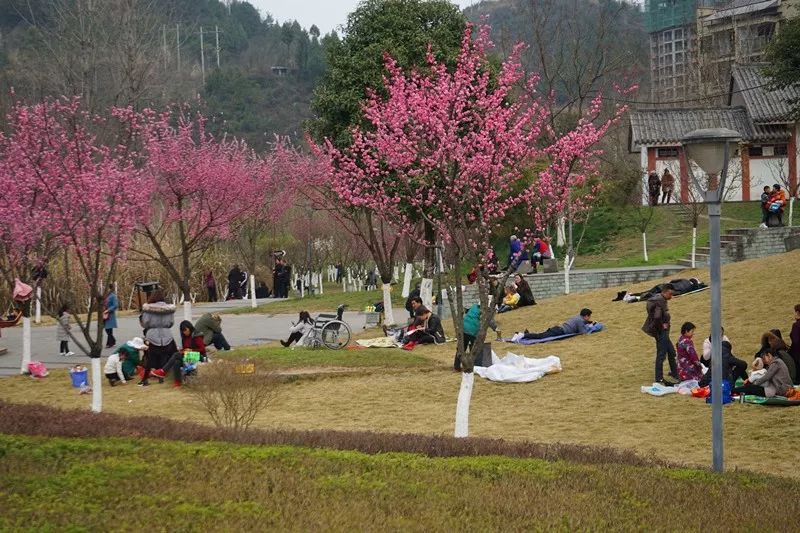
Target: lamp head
[706,147]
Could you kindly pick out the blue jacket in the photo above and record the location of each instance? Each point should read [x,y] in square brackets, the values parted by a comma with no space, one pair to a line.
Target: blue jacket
[112,303]
[472,320]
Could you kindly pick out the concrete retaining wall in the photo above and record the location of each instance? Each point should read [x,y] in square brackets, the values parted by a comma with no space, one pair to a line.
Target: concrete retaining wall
[755,243]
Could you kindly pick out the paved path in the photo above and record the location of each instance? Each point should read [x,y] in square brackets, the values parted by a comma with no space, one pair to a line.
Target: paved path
[238,329]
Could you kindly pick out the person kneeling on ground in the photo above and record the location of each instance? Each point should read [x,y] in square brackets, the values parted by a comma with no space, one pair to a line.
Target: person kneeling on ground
[510,300]
[298,330]
[472,323]
[775,382]
[131,355]
[733,368]
[576,325]
[209,327]
[428,331]
[689,367]
[190,342]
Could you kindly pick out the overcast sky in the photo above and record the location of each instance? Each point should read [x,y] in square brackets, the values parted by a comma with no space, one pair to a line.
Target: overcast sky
[326,14]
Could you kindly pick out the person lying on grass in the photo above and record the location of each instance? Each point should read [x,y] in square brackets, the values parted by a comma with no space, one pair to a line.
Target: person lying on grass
[679,286]
[299,330]
[579,324]
[775,382]
[689,367]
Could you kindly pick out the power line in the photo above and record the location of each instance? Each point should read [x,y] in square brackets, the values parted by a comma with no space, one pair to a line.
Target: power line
[687,100]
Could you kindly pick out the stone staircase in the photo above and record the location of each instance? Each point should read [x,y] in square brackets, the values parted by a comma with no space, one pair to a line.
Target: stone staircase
[744,243]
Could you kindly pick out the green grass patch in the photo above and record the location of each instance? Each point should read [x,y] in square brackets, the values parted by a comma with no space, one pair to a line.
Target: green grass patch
[98,485]
[280,357]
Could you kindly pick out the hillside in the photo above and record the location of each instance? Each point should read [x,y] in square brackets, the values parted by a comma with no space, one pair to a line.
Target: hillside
[594,401]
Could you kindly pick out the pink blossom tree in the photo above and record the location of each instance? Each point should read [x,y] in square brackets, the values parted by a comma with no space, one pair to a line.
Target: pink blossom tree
[451,149]
[72,194]
[203,190]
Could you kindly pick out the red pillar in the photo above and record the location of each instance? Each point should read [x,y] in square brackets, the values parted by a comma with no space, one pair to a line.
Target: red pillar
[745,151]
[792,155]
[651,159]
[684,176]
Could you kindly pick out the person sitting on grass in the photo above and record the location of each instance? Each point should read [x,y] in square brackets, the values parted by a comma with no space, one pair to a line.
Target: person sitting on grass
[775,382]
[689,367]
[706,360]
[299,330]
[772,342]
[524,291]
[579,324]
[733,368]
[428,330]
[472,323]
[510,300]
[191,342]
[209,327]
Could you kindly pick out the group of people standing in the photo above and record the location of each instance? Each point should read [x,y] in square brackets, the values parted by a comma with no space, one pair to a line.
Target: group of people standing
[660,188]
[775,365]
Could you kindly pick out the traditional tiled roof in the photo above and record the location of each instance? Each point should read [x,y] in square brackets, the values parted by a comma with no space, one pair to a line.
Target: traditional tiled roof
[668,126]
[762,105]
[738,8]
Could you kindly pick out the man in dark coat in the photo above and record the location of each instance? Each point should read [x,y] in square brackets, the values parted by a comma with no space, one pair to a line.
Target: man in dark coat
[234,277]
[657,326]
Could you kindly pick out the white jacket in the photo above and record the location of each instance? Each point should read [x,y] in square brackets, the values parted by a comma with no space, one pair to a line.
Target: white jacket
[114,365]
[707,349]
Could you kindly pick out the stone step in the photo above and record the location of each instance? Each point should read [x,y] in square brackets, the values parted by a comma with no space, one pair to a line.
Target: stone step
[739,231]
[705,250]
[688,263]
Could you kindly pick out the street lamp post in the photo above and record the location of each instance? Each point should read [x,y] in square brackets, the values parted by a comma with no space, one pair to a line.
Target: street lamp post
[710,149]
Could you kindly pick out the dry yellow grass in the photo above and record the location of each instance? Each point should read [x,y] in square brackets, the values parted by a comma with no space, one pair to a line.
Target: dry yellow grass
[595,400]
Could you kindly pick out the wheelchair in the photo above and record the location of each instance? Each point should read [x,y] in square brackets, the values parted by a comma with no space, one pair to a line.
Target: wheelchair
[330,331]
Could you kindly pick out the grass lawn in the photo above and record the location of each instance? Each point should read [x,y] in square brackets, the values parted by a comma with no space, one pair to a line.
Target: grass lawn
[51,484]
[669,237]
[594,401]
[281,358]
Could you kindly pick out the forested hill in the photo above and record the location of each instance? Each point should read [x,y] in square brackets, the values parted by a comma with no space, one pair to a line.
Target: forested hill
[148,52]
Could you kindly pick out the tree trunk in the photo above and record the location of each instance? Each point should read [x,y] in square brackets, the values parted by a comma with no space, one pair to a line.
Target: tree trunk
[566,273]
[26,343]
[388,312]
[253,303]
[462,407]
[407,280]
[644,246]
[38,315]
[791,210]
[694,246]
[97,386]
[187,309]
[426,287]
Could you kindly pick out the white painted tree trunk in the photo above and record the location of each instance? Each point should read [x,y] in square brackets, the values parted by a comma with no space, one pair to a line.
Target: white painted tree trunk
[791,210]
[38,305]
[566,274]
[388,313]
[344,284]
[462,406]
[187,310]
[302,288]
[97,386]
[694,247]
[644,247]
[26,344]
[253,291]
[426,292]
[407,280]
[321,292]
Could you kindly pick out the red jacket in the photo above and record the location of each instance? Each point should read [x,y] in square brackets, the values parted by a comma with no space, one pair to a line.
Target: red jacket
[193,344]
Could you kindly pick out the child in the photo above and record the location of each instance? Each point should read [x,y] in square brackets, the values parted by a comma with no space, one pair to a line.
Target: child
[510,301]
[765,205]
[689,367]
[113,368]
[131,355]
[62,331]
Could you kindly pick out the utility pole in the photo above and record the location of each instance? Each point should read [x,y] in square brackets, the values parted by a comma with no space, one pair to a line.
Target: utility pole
[216,36]
[178,45]
[202,57]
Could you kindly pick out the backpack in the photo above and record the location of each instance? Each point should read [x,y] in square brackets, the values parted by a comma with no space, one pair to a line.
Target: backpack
[37,369]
